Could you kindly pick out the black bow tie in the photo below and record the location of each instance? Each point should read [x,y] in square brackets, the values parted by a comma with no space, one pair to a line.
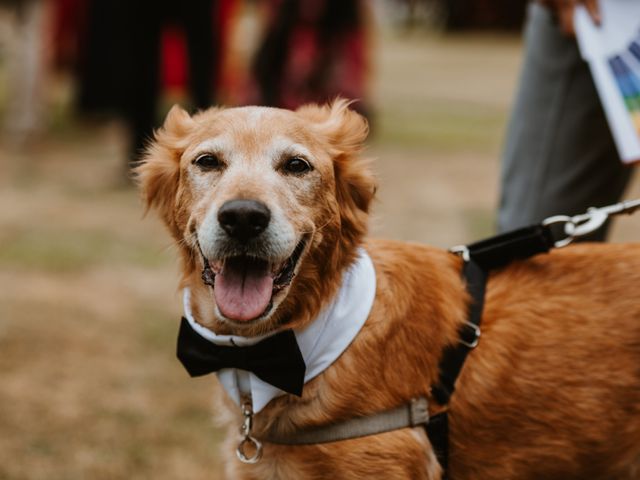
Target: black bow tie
[276,360]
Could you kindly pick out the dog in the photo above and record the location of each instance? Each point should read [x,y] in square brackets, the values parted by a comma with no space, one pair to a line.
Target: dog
[273,206]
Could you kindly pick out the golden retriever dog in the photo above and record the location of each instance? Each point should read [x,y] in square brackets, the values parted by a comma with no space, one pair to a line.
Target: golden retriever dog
[552,391]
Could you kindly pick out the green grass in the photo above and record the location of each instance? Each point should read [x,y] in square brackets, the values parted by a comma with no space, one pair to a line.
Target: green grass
[51,250]
[445,127]
[157,330]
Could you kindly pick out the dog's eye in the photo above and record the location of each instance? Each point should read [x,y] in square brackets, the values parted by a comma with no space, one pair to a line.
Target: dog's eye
[296,165]
[208,162]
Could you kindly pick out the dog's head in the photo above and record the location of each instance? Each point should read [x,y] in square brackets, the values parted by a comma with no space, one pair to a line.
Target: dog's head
[275,201]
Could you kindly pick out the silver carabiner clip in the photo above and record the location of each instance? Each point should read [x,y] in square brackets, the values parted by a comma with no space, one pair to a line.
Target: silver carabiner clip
[247,440]
[586,223]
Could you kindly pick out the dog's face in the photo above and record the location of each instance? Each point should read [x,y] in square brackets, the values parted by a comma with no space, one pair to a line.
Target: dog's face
[273,201]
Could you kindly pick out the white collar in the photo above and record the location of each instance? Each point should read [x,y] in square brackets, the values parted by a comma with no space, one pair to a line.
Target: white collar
[321,342]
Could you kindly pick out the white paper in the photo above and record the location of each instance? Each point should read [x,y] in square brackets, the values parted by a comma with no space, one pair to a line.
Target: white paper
[598,45]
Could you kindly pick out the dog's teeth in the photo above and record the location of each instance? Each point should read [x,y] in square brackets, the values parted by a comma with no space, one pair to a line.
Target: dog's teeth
[217,266]
[276,268]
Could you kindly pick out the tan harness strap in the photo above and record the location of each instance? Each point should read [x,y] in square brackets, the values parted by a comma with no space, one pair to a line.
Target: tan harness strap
[413,414]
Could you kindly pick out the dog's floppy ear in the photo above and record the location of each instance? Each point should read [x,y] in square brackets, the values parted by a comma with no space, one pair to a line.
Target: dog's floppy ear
[345,131]
[159,172]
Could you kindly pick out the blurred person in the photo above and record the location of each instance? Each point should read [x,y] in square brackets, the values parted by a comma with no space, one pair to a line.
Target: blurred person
[121,67]
[313,51]
[26,69]
[559,156]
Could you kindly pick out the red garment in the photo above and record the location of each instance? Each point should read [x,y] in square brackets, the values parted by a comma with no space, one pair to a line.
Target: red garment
[174,48]
[69,22]
[325,52]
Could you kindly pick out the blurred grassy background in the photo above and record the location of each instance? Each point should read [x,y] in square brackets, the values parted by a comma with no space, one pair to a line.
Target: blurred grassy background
[88,304]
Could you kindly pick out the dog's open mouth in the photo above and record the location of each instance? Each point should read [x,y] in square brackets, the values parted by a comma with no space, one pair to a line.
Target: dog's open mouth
[244,285]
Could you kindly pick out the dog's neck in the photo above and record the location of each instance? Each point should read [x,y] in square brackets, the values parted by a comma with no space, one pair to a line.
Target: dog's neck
[321,342]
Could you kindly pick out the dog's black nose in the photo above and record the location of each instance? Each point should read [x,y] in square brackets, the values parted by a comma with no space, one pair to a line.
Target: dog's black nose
[244,219]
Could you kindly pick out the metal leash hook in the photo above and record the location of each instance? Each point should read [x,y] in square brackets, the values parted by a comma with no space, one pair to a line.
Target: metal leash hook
[586,223]
[247,439]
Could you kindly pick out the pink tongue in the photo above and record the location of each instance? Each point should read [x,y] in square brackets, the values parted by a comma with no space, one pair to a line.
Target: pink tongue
[242,293]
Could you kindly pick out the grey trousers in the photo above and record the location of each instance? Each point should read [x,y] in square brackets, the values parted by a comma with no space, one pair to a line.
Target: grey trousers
[559,155]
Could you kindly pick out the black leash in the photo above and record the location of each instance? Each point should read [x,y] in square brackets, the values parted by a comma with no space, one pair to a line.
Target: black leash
[480,259]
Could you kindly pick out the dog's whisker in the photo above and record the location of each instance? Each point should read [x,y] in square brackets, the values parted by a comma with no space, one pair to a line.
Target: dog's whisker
[183,242]
[321,227]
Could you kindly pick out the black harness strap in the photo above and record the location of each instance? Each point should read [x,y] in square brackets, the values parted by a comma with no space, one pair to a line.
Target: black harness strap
[480,259]
[454,356]
[498,251]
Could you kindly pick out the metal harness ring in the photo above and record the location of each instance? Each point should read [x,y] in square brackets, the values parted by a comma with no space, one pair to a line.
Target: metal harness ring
[569,228]
[257,446]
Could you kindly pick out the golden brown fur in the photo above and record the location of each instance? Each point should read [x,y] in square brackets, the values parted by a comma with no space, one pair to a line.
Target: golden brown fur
[552,391]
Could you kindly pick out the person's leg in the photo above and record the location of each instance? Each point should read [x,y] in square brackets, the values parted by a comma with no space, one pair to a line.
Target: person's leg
[559,155]
[143,65]
[197,19]
[270,59]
